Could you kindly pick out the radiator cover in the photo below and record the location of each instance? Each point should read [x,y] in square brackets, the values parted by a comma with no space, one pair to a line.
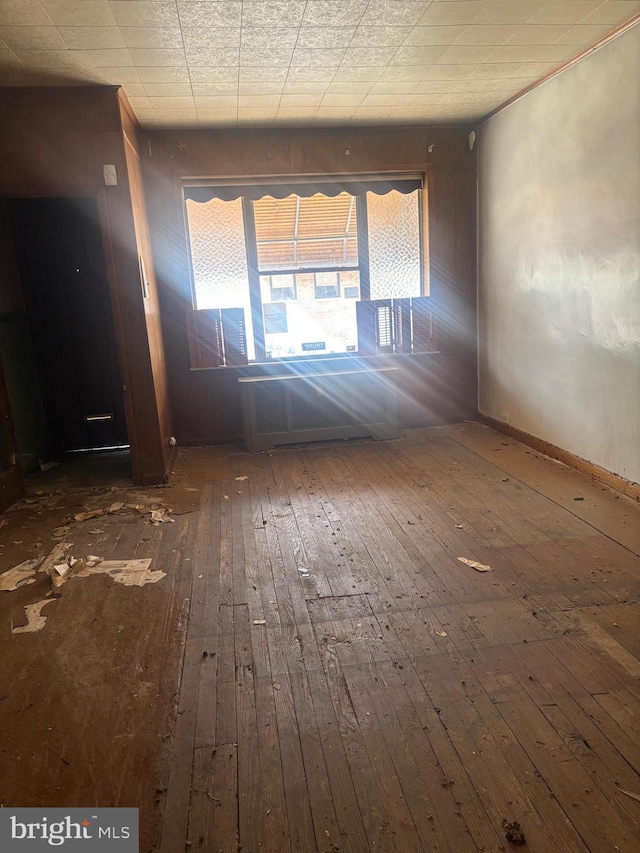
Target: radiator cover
[290,409]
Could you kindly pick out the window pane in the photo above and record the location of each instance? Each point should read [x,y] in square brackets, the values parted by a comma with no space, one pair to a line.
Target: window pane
[219,258]
[298,233]
[309,324]
[394,245]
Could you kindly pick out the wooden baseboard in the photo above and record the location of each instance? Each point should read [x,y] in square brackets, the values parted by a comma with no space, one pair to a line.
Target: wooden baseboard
[600,474]
[11,488]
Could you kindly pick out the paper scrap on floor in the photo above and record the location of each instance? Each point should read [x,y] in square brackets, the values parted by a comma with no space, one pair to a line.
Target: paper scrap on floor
[479,567]
[19,575]
[35,620]
[127,572]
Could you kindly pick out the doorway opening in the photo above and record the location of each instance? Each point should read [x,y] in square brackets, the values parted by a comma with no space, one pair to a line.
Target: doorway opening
[57,340]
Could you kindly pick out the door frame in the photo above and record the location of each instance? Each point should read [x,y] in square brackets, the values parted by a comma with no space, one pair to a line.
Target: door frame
[96,192]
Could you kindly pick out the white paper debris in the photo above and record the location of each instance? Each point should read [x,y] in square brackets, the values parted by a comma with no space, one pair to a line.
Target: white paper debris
[242,478]
[259,621]
[92,513]
[159,516]
[127,572]
[35,620]
[479,567]
[441,633]
[19,575]
[47,466]
[91,560]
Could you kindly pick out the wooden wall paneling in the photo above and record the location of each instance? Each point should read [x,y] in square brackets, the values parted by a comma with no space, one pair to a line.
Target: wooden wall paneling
[450,148]
[442,224]
[404,147]
[12,162]
[464,280]
[368,148]
[319,151]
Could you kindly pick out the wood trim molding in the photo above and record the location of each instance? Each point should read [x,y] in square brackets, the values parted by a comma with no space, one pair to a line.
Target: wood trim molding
[572,61]
[603,476]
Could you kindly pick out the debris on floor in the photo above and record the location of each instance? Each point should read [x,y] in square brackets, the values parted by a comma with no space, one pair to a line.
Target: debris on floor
[630,794]
[127,572]
[242,478]
[441,633]
[259,621]
[20,575]
[35,620]
[479,567]
[513,832]
[92,513]
[159,516]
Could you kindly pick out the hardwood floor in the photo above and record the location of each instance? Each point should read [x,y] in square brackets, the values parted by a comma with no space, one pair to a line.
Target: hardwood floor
[349,685]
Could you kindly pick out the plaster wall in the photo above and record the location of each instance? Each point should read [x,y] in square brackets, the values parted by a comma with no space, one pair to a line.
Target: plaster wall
[559,260]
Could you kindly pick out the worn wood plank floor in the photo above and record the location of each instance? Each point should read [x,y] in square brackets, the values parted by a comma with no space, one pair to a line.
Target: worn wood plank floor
[350,685]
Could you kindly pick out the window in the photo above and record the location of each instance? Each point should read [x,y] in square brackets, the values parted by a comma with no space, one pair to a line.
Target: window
[300,265]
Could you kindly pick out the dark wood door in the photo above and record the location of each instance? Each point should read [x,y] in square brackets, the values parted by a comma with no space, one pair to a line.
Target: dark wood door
[62,267]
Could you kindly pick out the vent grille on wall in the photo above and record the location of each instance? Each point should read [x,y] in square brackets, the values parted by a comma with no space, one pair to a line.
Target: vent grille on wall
[344,404]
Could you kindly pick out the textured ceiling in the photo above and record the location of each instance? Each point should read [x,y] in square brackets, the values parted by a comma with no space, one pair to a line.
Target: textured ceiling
[221,63]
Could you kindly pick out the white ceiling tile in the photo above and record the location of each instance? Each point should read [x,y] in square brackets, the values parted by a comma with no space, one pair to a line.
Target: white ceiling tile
[261,101]
[568,12]
[312,57]
[211,74]
[395,13]
[177,115]
[150,56]
[8,58]
[91,38]
[32,38]
[362,56]
[508,11]
[172,102]
[486,34]
[451,14]
[531,53]
[115,76]
[333,13]
[494,70]
[53,58]
[418,54]
[247,113]
[357,74]
[219,116]
[584,35]
[435,35]
[258,38]
[613,12]
[297,87]
[326,37]
[272,13]
[296,112]
[275,57]
[106,58]
[152,37]
[138,102]
[166,74]
[166,90]
[348,88]
[405,73]
[223,13]
[145,13]
[465,54]
[211,102]
[537,34]
[212,56]
[437,87]
[312,74]
[366,36]
[532,69]
[79,13]
[388,87]
[335,112]
[333,100]
[23,13]
[209,90]
[295,101]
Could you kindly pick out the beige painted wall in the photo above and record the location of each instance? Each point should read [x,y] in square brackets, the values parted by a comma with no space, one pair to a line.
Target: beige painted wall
[559,260]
